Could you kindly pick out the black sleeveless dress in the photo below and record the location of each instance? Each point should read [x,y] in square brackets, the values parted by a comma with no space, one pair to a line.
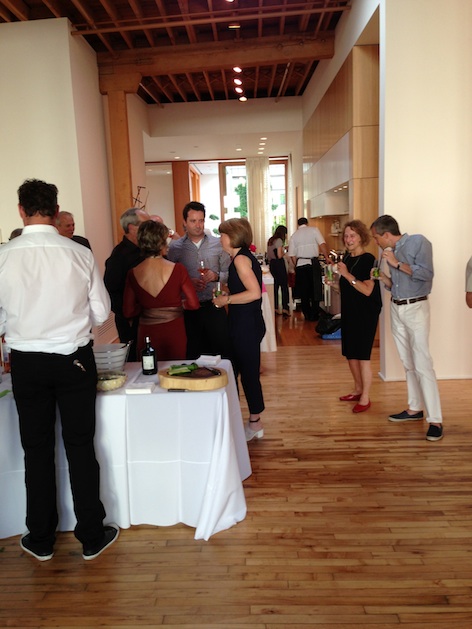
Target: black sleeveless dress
[247,329]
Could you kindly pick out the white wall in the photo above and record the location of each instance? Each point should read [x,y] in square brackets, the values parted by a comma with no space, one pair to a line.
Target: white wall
[92,155]
[160,196]
[426,137]
[52,127]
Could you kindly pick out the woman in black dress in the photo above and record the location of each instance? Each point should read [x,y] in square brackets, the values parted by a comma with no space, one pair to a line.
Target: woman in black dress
[246,324]
[360,308]
[275,256]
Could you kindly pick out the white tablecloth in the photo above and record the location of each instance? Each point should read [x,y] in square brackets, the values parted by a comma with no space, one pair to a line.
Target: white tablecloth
[269,342]
[165,457]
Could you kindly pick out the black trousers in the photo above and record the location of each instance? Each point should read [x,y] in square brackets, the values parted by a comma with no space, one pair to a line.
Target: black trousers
[279,273]
[246,336]
[40,381]
[308,290]
[207,331]
[128,331]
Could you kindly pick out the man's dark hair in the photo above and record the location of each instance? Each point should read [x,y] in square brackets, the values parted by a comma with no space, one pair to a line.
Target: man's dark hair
[302,221]
[193,205]
[386,223]
[38,197]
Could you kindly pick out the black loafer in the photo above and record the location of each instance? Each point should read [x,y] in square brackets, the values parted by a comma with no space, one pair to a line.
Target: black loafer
[404,416]
[110,535]
[435,433]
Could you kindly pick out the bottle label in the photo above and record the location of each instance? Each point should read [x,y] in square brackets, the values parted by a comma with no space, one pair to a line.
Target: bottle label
[148,362]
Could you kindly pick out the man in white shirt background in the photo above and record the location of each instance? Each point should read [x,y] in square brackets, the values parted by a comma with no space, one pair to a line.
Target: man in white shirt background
[51,294]
[304,248]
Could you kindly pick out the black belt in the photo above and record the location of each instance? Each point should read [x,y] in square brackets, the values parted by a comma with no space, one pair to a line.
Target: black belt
[404,302]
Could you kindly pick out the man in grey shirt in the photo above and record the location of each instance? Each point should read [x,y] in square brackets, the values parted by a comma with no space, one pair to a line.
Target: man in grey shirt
[410,261]
[207,264]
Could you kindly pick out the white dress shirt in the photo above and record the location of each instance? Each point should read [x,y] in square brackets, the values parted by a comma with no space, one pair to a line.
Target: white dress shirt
[51,292]
[304,244]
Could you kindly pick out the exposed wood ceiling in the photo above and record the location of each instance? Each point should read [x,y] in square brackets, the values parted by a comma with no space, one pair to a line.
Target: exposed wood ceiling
[185,50]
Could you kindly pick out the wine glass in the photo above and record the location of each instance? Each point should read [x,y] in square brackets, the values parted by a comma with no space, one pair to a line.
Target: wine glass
[375,271]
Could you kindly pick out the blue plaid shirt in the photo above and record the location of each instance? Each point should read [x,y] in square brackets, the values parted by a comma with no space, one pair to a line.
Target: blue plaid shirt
[417,252]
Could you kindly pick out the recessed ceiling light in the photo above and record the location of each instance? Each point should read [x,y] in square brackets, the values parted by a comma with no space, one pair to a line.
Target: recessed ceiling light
[234,25]
[262,143]
[237,69]
[243,99]
[237,81]
[238,90]
[239,149]
[176,157]
[263,138]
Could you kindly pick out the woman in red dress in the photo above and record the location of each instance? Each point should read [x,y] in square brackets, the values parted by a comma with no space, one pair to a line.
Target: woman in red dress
[158,291]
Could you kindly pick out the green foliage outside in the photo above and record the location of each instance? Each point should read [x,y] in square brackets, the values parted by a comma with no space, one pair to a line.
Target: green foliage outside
[241,191]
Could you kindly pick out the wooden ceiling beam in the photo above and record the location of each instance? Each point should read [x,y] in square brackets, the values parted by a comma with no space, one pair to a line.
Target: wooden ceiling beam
[175,83]
[18,8]
[177,21]
[216,55]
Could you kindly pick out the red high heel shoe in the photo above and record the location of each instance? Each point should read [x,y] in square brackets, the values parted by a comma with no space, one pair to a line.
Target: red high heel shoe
[360,408]
[352,397]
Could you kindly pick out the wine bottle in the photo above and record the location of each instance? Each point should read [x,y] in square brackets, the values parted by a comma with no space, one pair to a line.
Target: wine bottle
[149,358]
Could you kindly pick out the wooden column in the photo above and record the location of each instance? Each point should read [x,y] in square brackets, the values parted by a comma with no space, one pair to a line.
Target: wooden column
[182,191]
[116,88]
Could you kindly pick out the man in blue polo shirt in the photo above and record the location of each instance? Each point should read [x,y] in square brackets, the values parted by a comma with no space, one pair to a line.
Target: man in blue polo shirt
[410,262]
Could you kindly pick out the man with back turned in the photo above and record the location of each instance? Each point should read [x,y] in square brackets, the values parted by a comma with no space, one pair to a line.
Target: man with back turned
[51,294]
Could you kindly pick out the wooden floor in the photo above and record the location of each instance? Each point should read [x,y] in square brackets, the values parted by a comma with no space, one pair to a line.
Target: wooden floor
[353,522]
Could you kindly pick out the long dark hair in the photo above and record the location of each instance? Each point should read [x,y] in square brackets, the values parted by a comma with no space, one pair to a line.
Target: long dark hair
[280,232]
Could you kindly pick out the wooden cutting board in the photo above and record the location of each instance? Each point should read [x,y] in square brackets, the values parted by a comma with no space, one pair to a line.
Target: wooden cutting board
[202,379]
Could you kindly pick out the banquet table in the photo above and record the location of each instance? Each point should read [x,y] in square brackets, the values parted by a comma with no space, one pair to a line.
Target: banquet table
[165,457]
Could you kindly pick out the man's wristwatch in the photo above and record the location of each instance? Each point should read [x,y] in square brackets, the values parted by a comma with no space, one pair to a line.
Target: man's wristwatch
[399,265]
[353,282]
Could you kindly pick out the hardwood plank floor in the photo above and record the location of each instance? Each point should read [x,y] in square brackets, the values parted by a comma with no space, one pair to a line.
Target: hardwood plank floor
[352,522]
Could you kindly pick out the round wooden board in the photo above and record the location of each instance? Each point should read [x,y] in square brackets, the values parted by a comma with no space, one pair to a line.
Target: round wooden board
[193,384]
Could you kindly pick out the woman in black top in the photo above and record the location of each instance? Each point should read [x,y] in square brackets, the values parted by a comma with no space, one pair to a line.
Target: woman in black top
[360,308]
[246,324]
[275,256]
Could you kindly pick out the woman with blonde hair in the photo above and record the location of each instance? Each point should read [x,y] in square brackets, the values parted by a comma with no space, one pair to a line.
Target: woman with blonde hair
[246,323]
[360,308]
